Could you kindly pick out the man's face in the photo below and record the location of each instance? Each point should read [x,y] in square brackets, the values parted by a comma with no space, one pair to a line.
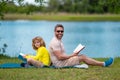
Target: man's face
[59,32]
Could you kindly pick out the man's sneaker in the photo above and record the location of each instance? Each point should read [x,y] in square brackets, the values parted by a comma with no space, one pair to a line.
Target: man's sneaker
[108,62]
[84,66]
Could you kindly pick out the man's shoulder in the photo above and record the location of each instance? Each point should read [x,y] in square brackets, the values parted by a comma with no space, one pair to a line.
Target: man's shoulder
[54,42]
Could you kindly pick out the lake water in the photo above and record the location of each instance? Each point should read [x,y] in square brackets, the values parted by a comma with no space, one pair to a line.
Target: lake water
[101,39]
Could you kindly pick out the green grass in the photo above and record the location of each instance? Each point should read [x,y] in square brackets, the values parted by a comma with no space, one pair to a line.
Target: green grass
[64,17]
[92,73]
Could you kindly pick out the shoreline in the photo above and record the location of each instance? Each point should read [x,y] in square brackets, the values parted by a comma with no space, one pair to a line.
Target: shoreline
[63,17]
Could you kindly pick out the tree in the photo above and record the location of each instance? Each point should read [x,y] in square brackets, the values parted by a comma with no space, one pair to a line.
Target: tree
[2,7]
[20,2]
[40,2]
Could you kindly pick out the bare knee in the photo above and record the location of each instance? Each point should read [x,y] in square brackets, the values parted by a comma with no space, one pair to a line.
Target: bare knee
[29,60]
[82,57]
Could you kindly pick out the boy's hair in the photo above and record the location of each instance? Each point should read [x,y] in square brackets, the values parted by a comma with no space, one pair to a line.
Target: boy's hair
[42,43]
[58,25]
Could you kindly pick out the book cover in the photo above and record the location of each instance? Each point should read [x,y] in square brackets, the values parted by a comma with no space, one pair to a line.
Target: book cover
[21,57]
[79,48]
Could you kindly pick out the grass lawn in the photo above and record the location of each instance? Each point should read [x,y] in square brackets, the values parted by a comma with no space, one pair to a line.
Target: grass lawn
[64,17]
[92,73]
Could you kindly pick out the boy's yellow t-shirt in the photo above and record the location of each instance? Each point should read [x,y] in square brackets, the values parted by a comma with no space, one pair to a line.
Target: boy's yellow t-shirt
[42,55]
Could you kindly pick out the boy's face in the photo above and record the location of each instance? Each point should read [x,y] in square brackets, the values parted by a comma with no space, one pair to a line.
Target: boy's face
[37,43]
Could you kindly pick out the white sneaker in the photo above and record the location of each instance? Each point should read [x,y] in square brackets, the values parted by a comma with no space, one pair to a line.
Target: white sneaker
[84,66]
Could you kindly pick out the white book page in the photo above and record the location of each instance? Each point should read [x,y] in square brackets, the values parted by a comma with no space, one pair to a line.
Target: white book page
[22,54]
[79,48]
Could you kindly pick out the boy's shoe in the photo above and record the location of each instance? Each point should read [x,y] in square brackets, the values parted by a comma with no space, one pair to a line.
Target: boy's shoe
[108,62]
[25,65]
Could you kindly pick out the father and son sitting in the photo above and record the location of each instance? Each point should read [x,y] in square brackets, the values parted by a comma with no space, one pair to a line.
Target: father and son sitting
[56,54]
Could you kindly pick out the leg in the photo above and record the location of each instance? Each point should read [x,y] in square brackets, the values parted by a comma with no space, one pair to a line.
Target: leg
[90,61]
[34,62]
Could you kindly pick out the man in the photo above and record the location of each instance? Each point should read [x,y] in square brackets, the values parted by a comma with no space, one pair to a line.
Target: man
[59,57]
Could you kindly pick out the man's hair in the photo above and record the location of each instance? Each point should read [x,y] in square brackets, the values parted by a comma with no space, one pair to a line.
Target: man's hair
[58,25]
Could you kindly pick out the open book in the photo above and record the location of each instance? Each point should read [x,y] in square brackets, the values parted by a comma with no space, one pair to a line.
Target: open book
[79,48]
[21,57]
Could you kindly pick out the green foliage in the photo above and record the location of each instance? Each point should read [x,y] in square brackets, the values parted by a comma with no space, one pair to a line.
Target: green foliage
[39,1]
[86,6]
[2,56]
[69,6]
[2,8]
[20,2]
